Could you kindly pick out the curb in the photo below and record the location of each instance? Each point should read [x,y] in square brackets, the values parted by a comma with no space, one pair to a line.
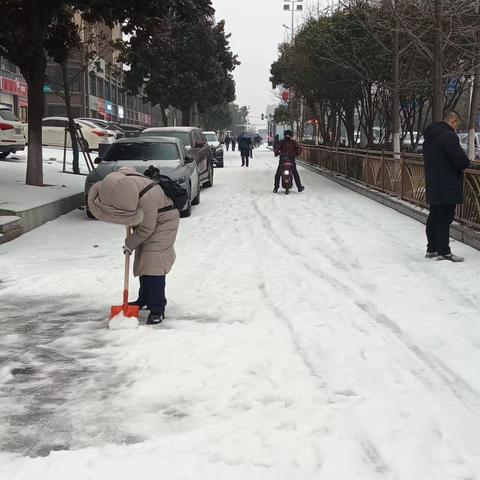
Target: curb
[458,231]
[37,216]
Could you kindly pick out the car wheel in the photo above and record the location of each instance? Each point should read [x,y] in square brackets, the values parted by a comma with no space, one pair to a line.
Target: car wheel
[188,211]
[209,182]
[196,200]
[4,154]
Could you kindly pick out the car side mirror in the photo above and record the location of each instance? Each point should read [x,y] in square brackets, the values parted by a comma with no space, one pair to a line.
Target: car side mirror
[98,161]
[189,159]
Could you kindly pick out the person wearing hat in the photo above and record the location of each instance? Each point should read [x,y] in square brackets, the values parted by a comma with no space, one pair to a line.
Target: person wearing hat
[128,198]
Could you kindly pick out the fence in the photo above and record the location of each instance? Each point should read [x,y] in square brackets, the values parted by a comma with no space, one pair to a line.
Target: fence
[399,175]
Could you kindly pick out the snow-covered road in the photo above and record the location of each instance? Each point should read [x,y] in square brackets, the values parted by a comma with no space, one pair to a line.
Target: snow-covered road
[307,338]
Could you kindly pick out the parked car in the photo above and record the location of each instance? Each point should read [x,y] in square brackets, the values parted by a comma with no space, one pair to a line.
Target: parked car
[195,142]
[463,137]
[131,130]
[169,155]
[53,133]
[12,138]
[112,126]
[217,149]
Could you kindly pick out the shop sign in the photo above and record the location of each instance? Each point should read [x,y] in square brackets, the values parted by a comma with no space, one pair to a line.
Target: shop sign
[121,112]
[15,87]
[101,106]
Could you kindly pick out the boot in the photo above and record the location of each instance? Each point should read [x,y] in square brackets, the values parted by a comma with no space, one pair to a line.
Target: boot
[301,189]
[155,318]
[136,304]
[451,257]
[275,190]
[431,255]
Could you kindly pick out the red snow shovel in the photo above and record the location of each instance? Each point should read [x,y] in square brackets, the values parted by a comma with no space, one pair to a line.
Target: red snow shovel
[129,311]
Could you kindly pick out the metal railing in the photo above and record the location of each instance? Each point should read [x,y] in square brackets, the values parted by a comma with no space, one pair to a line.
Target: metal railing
[399,175]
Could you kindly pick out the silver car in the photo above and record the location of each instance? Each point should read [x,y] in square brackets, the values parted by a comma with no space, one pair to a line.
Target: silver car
[169,155]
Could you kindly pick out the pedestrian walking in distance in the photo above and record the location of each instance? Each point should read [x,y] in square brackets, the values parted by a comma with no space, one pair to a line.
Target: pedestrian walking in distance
[234,143]
[128,198]
[287,147]
[245,145]
[228,139]
[445,161]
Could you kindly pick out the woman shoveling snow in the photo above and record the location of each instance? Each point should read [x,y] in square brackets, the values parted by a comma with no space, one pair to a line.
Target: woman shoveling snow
[128,198]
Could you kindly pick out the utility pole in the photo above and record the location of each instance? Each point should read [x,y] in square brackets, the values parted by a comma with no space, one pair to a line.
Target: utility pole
[293,6]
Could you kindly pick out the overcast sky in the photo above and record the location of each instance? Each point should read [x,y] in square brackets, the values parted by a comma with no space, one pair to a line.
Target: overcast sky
[256,28]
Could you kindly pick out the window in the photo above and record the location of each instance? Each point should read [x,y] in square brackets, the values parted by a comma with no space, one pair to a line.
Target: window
[211,137]
[183,136]
[6,114]
[54,122]
[101,88]
[93,84]
[198,137]
[144,151]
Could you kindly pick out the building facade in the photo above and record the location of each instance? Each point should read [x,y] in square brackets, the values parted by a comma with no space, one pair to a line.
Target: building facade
[13,89]
[95,81]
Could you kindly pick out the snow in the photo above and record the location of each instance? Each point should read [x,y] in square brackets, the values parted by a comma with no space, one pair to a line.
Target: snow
[306,338]
[16,196]
[121,322]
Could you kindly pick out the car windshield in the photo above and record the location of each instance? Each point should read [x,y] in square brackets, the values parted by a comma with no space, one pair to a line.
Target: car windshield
[6,114]
[119,152]
[183,136]
[211,137]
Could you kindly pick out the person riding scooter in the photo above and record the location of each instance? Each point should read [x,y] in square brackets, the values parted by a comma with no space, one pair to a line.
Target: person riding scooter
[288,148]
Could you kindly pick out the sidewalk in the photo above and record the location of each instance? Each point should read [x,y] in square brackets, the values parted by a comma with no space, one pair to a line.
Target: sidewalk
[24,207]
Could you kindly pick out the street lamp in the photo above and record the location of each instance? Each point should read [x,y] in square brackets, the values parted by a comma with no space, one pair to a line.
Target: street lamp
[294,6]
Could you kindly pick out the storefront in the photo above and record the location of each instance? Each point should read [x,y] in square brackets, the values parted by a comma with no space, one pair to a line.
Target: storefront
[14,93]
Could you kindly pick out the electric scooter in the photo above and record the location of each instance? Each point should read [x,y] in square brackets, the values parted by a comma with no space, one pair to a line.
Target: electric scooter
[287,175]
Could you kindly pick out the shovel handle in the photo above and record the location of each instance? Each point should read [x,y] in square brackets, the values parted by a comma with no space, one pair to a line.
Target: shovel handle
[127,274]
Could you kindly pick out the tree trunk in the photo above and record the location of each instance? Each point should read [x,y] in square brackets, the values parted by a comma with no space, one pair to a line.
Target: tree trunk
[35,77]
[164,116]
[71,124]
[350,123]
[396,88]
[186,116]
[437,100]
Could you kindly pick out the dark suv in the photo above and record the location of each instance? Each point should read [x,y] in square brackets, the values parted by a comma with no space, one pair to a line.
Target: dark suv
[195,142]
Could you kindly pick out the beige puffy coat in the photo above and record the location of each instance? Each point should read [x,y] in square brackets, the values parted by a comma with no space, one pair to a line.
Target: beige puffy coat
[116,200]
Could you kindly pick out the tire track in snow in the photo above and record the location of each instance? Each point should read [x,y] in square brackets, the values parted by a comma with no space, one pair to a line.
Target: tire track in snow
[466,394]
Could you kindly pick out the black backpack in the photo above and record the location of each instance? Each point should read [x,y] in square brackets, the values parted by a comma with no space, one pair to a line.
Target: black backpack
[174,191]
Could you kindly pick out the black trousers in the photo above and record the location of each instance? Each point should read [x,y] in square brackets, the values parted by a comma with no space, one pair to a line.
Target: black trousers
[296,175]
[438,228]
[245,156]
[152,293]
[233,146]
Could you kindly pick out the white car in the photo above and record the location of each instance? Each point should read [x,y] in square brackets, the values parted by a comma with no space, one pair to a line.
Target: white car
[11,133]
[53,133]
[463,137]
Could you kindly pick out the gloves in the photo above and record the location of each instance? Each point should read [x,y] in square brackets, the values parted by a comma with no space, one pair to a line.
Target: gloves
[126,250]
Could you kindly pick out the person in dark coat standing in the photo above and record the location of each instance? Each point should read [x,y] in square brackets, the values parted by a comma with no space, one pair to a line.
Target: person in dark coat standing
[227,142]
[287,147]
[245,145]
[234,143]
[445,161]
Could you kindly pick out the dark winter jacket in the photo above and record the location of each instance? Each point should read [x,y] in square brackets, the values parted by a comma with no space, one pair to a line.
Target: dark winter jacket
[445,162]
[288,147]
[244,143]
